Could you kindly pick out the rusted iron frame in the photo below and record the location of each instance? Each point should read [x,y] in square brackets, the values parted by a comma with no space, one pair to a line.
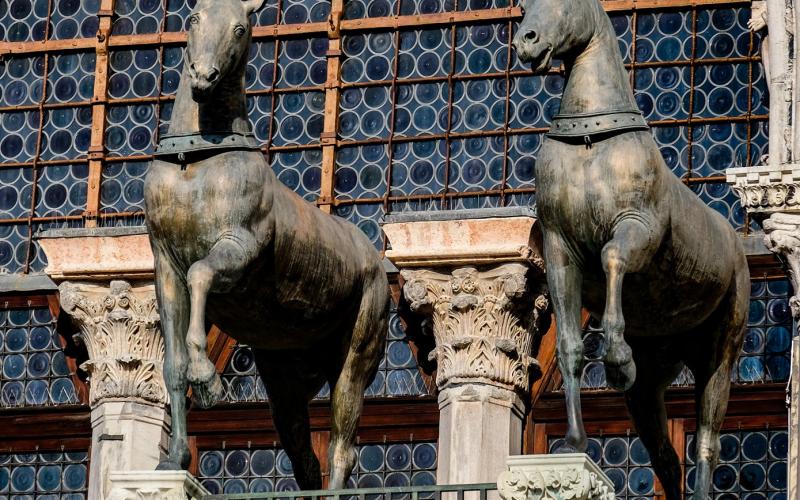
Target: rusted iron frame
[634,35]
[97,153]
[507,117]
[690,128]
[160,83]
[38,153]
[392,117]
[448,131]
[276,57]
[331,108]
[748,143]
[395,22]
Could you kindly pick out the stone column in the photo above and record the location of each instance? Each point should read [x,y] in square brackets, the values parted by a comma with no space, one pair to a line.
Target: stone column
[477,278]
[118,325]
[105,278]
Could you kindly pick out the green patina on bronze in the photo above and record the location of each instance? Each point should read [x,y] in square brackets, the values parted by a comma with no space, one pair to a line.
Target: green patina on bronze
[611,211]
[236,248]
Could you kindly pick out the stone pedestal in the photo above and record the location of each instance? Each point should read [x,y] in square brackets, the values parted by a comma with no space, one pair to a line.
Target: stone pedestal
[106,288]
[155,485]
[477,278]
[572,476]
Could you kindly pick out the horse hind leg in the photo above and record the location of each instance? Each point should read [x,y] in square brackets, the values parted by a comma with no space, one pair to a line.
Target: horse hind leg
[290,388]
[645,402]
[357,371]
[220,270]
[629,250]
[723,335]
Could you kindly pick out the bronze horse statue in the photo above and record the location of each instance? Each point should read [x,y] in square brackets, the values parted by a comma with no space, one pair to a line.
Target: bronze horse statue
[626,239]
[236,248]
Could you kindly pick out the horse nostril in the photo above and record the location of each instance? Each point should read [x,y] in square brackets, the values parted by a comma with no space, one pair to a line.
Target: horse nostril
[531,36]
[212,77]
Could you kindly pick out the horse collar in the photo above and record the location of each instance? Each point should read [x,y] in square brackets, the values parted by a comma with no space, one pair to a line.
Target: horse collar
[175,148]
[587,125]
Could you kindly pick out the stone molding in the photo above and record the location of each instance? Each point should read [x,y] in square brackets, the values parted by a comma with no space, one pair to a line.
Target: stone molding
[570,476]
[119,326]
[155,485]
[766,190]
[484,323]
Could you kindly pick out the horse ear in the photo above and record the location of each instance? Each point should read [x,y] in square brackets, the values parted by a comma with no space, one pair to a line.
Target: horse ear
[251,6]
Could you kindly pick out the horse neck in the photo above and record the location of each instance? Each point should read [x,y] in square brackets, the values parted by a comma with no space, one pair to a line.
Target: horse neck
[224,111]
[596,79]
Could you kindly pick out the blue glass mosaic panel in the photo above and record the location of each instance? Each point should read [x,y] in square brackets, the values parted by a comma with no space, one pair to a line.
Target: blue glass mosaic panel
[13,246]
[122,189]
[395,465]
[397,375]
[298,118]
[478,163]
[178,14]
[134,73]
[752,465]
[137,17]
[481,49]
[302,62]
[130,129]
[35,370]
[359,171]
[625,461]
[15,192]
[74,19]
[246,470]
[71,77]
[61,190]
[300,171]
[23,20]
[765,353]
[21,80]
[421,109]
[52,475]
[304,11]
[367,217]
[260,71]
[478,105]
[66,133]
[765,356]
[423,53]
[365,113]
[418,168]
[368,57]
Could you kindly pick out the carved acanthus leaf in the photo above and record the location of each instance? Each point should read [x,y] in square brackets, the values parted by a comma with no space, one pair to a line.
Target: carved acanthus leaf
[554,484]
[119,326]
[484,323]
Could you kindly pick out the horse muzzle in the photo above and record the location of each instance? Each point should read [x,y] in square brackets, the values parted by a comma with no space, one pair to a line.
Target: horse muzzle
[530,49]
[203,81]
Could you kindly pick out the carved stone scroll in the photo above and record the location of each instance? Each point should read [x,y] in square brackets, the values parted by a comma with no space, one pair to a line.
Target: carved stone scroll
[554,477]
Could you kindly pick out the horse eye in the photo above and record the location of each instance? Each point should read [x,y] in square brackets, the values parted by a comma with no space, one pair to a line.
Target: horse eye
[194,19]
[239,30]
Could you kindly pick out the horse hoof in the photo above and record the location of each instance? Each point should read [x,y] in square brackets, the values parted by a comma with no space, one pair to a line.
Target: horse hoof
[168,465]
[620,377]
[207,394]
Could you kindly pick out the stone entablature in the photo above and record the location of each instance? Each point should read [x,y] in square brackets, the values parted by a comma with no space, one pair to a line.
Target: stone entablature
[571,476]
[767,189]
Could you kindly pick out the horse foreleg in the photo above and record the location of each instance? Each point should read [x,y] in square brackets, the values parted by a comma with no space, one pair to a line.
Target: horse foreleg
[219,271]
[628,251]
[565,280]
[173,301]
[357,371]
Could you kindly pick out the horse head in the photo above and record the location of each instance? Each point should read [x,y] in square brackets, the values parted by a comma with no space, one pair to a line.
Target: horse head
[554,28]
[219,37]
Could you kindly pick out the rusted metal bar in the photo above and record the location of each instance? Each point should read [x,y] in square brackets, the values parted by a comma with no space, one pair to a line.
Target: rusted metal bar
[97,143]
[331,118]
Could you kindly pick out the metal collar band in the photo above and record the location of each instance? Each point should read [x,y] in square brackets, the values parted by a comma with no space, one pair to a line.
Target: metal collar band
[178,146]
[591,124]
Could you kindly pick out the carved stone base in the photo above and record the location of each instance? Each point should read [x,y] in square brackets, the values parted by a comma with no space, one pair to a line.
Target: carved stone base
[155,485]
[572,476]
[479,427]
[126,436]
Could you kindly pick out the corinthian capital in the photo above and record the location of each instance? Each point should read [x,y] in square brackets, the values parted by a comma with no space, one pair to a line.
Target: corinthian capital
[119,326]
[782,236]
[485,323]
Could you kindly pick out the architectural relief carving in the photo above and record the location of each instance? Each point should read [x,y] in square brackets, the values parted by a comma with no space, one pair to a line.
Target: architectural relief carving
[155,485]
[765,190]
[484,323]
[119,325]
[554,484]
[782,236]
